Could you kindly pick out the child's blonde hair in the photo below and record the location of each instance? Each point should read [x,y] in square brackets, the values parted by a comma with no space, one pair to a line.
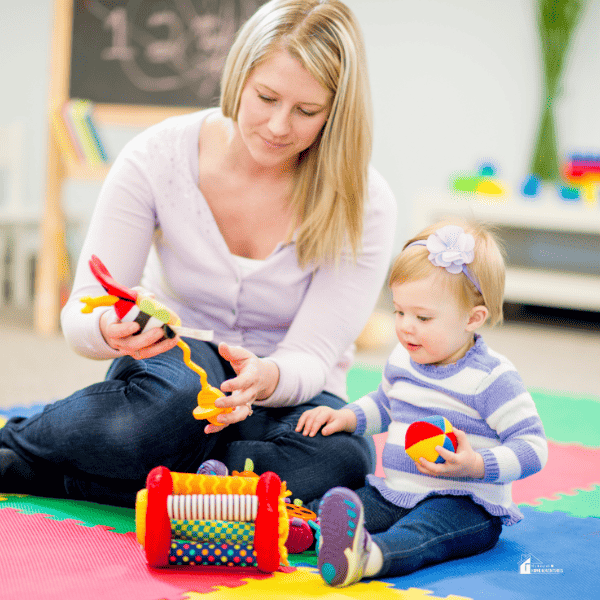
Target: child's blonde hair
[487,267]
[331,180]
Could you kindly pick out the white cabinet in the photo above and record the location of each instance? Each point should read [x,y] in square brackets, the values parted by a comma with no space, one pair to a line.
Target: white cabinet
[552,245]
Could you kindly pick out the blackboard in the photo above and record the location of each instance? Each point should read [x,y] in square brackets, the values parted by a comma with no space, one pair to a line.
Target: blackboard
[153,52]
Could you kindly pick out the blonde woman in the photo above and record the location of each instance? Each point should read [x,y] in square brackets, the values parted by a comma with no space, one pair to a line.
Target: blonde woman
[260,220]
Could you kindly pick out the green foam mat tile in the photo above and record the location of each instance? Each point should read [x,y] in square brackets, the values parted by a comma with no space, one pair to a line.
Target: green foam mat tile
[362,379]
[304,559]
[89,513]
[582,504]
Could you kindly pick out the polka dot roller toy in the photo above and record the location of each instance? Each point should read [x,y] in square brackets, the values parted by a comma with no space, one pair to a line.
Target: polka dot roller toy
[197,519]
[422,437]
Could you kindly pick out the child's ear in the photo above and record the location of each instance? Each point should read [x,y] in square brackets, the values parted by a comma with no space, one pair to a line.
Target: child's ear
[478,316]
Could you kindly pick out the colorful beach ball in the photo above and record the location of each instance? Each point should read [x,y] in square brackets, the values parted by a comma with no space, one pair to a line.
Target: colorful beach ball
[423,436]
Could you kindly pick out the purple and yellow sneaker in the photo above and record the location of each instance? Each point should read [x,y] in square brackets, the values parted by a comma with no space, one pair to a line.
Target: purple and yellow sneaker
[344,545]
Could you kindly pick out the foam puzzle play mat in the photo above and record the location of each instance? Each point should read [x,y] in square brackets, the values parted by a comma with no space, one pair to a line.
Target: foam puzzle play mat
[240,536]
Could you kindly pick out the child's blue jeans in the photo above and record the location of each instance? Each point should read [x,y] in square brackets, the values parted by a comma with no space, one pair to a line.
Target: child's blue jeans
[104,440]
[438,529]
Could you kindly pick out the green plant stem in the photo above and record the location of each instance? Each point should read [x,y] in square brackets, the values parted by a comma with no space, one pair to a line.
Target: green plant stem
[557,20]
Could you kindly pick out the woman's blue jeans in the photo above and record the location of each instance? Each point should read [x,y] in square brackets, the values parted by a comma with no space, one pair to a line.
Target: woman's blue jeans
[438,529]
[104,440]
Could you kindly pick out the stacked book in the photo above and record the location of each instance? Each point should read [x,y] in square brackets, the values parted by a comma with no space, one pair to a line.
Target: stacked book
[77,134]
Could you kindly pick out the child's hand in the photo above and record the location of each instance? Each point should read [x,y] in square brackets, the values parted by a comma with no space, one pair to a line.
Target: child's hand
[334,420]
[465,462]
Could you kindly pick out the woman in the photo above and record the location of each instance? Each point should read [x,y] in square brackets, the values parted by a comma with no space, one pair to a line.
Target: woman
[260,220]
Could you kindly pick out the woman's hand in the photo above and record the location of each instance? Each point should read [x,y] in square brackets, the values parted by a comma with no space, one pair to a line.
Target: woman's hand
[334,420]
[465,462]
[119,336]
[256,379]
[239,413]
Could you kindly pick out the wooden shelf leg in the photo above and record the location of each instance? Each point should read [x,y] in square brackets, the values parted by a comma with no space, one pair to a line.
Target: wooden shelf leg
[52,265]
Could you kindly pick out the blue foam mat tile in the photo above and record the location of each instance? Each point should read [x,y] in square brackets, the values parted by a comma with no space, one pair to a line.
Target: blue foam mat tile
[23,410]
[561,552]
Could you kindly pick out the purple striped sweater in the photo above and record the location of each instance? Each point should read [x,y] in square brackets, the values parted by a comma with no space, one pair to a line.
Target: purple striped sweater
[483,395]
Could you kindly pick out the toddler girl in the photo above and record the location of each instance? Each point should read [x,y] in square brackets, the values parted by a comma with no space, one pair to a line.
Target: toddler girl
[446,283]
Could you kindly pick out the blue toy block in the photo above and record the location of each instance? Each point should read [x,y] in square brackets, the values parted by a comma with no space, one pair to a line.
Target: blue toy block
[531,186]
[568,193]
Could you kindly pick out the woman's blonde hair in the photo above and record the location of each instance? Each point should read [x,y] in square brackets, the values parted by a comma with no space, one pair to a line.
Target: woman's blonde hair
[328,197]
[487,267]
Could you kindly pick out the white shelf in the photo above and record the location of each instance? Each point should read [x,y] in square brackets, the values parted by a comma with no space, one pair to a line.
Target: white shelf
[553,288]
[548,212]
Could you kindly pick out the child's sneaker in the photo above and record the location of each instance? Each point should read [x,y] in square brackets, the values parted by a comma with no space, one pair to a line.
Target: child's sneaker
[344,545]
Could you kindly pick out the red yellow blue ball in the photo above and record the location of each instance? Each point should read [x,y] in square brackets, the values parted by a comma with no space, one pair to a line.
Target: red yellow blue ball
[422,437]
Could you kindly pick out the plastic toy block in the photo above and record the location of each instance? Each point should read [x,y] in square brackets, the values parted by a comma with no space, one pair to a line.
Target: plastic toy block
[487,170]
[531,186]
[489,187]
[465,183]
[584,172]
[569,193]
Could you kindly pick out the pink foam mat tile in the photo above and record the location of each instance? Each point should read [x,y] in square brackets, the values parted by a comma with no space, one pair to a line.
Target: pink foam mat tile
[570,467]
[45,559]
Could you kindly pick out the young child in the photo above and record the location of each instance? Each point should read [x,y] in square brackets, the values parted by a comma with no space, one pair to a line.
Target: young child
[446,283]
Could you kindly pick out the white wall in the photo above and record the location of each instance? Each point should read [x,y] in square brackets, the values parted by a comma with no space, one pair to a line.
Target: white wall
[24,66]
[454,82]
[458,82]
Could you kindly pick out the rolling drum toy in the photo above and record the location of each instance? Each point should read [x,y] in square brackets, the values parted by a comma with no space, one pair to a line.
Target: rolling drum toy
[196,519]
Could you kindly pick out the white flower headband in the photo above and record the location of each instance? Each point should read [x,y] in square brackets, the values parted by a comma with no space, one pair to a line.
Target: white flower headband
[451,248]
